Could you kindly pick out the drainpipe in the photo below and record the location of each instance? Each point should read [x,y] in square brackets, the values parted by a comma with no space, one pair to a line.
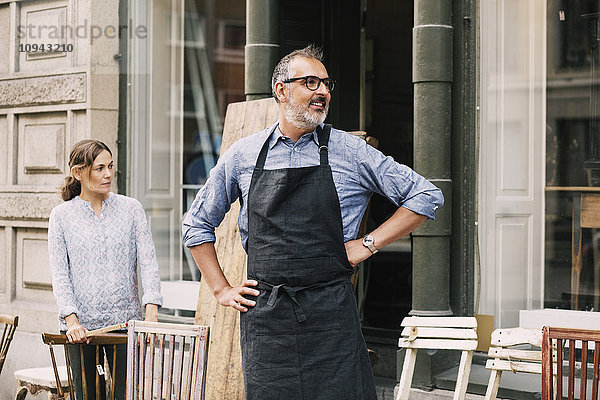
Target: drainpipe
[262,48]
[121,57]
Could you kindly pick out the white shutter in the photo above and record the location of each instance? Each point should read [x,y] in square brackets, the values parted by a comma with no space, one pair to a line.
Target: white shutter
[512,151]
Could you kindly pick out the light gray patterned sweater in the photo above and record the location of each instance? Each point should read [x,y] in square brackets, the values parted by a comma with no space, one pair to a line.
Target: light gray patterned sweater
[94,261]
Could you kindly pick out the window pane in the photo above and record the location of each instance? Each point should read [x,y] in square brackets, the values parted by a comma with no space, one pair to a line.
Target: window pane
[572,265]
[213,76]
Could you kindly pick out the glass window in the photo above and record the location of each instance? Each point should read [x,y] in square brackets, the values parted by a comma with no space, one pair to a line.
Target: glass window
[572,253]
[215,36]
[213,76]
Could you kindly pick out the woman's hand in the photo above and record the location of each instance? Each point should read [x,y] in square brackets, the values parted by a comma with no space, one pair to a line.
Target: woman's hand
[76,333]
[233,296]
[151,313]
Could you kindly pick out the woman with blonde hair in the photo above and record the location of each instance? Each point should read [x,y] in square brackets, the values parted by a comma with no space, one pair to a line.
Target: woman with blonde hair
[96,242]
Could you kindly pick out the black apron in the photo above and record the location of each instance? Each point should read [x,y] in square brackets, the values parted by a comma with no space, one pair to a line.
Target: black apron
[302,340]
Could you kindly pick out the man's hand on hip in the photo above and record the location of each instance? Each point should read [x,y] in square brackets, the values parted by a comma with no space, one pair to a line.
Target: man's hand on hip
[234,296]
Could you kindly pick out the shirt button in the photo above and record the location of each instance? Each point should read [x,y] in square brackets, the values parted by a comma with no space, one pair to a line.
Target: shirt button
[295,149]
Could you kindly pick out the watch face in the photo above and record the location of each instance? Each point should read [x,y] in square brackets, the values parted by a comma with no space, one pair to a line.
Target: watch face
[368,240]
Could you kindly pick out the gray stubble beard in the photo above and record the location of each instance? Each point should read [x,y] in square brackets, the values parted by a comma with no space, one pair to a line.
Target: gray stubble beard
[302,118]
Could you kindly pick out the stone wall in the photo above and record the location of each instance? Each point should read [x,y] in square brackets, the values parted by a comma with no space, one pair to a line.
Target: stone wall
[49,100]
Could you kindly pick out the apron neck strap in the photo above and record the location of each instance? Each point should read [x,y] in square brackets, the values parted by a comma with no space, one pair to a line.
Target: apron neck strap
[323,135]
[262,156]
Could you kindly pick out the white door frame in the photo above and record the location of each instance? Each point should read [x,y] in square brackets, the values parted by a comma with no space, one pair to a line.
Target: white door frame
[154,128]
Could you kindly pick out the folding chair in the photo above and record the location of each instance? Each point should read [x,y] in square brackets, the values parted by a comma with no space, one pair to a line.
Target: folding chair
[166,361]
[443,333]
[506,354]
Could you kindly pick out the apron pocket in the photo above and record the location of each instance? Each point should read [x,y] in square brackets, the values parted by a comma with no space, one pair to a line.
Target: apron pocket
[277,320]
[322,308]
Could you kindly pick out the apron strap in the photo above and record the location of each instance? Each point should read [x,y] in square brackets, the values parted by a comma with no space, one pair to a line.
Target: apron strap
[291,293]
[323,135]
[300,316]
[262,156]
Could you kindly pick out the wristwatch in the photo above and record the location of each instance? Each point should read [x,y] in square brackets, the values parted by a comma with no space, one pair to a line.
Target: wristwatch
[369,243]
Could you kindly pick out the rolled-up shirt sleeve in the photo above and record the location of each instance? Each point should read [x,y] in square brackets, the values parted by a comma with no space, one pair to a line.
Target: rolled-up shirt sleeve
[146,258]
[213,201]
[62,284]
[397,182]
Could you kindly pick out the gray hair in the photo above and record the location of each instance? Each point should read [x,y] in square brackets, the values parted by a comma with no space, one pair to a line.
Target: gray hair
[282,69]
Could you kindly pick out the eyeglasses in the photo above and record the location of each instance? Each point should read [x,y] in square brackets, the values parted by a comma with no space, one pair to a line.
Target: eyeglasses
[313,82]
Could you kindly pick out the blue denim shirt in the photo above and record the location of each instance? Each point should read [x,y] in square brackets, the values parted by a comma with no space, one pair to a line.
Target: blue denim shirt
[359,170]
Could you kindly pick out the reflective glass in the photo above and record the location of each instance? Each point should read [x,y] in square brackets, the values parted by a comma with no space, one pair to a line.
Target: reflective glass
[572,252]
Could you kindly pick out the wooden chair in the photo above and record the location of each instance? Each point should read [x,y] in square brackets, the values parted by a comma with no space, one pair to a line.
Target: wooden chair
[506,354]
[153,371]
[57,381]
[574,357]
[10,323]
[443,333]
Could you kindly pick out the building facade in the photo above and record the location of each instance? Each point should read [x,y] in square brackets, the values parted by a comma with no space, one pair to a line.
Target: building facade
[496,101]
[56,88]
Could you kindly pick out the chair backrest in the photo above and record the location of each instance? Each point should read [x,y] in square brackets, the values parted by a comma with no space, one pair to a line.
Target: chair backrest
[444,333]
[589,339]
[503,356]
[506,353]
[166,361]
[10,323]
[105,339]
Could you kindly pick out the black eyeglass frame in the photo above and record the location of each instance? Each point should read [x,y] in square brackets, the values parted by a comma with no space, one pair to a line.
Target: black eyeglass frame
[329,86]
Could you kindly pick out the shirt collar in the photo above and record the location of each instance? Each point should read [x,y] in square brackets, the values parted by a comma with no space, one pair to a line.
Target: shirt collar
[107,201]
[278,135]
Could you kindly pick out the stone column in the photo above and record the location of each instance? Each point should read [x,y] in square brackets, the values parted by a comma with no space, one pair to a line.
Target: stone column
[262,48]
[432,79]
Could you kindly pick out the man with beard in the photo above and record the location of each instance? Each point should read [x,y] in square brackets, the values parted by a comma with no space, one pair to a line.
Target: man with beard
[303,189]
